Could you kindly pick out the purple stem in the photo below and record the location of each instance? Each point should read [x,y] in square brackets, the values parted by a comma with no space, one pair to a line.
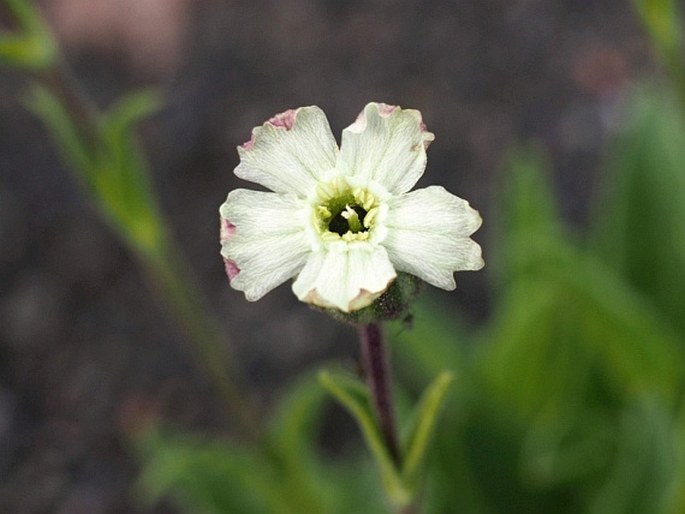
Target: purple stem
[376,365]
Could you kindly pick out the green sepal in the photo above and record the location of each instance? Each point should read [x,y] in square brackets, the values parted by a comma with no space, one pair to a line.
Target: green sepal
[394,303]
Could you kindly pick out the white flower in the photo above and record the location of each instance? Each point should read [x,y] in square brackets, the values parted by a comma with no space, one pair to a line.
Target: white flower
[342,221]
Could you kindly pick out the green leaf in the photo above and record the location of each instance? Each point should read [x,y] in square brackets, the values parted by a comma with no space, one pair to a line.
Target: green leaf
[296,419]
[641,350]
[70,143]
[527,338]
[292,431]
[662,20]
[431,340]
[422,429]
[207,477]
[639,347]
[124,183]
[567,447]
[110,164]
[354,396]
[526,213]
[32,46]
[643,473]
[639,217]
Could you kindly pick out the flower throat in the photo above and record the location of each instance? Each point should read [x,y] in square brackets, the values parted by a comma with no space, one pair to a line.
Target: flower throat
[344,213]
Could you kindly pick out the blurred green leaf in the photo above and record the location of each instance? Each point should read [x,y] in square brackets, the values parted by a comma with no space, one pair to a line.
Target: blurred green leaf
[567,447]
[291,434]
[433,339]
[662,20]
[526,213]
[354,396]
[638,346]
[639,218]
[69,141]
[32,45]
[109,163]
[532,334]
[643,470]
[123,173]
[204,477]
[534,326]
[423,425]
[294,424]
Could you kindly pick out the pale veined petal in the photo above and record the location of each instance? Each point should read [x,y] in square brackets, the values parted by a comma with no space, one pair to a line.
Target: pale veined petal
[263,240]
[428,235]
[290,152]
[387,145]
[346,276]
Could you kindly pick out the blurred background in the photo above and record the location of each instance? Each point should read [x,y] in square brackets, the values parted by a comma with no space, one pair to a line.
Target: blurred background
[88,350]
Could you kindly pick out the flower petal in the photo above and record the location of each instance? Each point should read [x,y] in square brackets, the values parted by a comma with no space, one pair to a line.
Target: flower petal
[428,235]
[289,152]
[263,240]
[346,276]
[386,144]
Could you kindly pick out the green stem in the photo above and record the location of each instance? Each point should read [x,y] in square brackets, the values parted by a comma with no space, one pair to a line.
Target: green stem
[207,344]
[163,262]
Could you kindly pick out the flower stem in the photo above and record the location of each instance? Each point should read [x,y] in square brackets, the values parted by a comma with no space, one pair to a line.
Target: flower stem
[376,365]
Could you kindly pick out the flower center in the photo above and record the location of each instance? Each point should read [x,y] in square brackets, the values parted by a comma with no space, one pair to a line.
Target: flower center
[350,219]
[345,213]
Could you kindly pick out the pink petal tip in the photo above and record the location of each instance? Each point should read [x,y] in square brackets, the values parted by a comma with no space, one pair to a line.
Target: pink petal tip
[284,119]
[227,230]
[232,269]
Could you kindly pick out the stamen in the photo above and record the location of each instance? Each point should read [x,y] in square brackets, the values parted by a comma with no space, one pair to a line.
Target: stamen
[370,217]
[343,212]
[352,218]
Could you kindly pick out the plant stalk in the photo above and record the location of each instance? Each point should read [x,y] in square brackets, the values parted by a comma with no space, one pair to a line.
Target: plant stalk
[207,345]
[376,366]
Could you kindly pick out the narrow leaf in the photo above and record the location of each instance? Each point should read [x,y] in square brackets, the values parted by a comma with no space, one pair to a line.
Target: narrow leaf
[32,46]
[661,18]
[639,217]
[526,212]
[70,144]
[424,425]
[125,184]
[354,396]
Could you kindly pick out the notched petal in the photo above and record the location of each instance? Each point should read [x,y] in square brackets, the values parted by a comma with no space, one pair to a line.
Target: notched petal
[227,230]
[345,277]
[232,269]
[290,152]
[260,251]
[428,235]
[284,119]
[386,144]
